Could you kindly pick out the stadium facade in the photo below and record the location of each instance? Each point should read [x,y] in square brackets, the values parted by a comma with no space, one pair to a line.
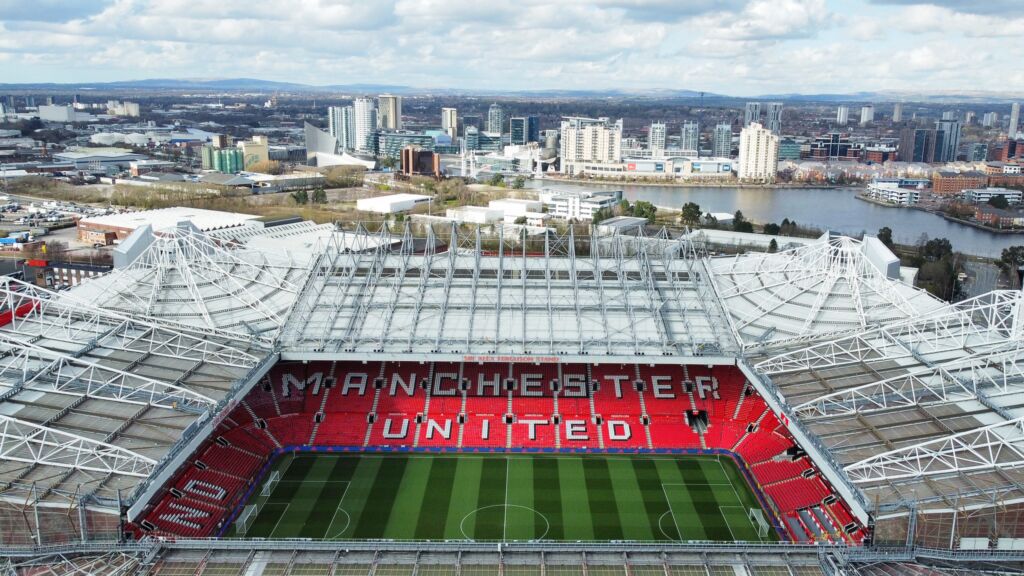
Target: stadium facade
[905,410]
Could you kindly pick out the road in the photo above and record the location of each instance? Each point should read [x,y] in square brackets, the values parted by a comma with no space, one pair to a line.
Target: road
[982,278]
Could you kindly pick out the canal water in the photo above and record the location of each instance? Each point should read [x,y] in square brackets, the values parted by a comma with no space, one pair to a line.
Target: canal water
[834,209]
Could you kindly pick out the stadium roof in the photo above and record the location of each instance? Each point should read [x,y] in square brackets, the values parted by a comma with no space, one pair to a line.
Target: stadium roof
[163,218]
[903,401]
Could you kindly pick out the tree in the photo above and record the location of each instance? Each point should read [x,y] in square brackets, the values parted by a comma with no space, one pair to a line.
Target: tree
[519,183]
[999,201]
[643,209]
[937,249]
[319,196]
[772,228]
[885,236]
[521,220]
[496,180]
[301,197]
[388,162]
[773,246]
[690,214]
[601,215]
[740,224]
[1012,257]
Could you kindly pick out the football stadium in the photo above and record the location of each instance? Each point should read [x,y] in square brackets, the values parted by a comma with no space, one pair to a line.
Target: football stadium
[307,399]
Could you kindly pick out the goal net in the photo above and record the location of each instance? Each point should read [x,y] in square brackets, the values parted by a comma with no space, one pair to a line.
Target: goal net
[271,483]
[757,519]
[245,519]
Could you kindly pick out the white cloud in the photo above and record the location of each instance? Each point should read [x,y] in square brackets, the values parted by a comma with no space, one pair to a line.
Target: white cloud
[739,47]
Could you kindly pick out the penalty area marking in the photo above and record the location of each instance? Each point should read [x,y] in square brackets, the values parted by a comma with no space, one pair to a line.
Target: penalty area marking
[348,518]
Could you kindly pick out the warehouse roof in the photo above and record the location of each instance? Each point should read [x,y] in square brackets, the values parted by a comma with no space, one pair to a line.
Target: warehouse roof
[164,218]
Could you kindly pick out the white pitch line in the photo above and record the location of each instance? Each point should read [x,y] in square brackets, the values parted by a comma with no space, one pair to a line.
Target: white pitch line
[669,502]
[281,517]
[337,509]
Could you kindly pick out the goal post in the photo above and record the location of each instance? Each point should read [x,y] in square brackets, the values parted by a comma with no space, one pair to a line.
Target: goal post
[757,519]
[270,484]
[245,519]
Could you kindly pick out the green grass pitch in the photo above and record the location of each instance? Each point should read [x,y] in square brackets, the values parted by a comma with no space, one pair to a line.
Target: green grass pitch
[506,497]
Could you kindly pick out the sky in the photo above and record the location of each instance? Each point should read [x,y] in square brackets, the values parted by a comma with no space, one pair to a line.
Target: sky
[732,47]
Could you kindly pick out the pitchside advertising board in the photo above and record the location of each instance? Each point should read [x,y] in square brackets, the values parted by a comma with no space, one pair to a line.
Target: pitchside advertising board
[489,382]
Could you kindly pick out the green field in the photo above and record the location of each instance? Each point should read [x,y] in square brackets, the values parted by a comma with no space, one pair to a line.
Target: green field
[506,497]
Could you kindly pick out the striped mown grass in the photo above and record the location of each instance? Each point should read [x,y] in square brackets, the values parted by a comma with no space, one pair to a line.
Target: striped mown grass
[507,497]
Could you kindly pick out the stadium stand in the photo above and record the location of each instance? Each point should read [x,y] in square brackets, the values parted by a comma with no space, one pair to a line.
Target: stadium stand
[474,406]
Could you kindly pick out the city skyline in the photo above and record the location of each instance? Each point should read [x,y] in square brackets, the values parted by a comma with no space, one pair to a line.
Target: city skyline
[737,48]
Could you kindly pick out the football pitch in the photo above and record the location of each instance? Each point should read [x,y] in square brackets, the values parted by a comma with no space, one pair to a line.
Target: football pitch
[504,497]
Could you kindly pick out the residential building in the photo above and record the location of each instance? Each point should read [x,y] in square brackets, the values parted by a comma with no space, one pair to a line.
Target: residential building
[949,183]
[389,112]
[996,217]
[842,115]
[495,119]
[722,142]
[897,112]
[977,152]
[947,140]
[983,195]
[450,122]
[589,140]
[893,193]
[690,140]
[751,113]
[949,115]
[774,118]
[1014,120]
[990,119]
[878,154]
[656,136]
[867,115]
[365,124]
[759,154]
[917,145]
[341,123]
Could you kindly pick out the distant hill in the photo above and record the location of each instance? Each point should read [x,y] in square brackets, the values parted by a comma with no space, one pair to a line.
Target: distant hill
[270,86]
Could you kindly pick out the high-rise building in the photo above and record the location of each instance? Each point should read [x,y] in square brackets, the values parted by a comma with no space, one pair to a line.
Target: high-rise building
[867,115]
[341,123]
[990,119]
[722,141]
[366,123]
[589,140]
[691,137]
[751,113]
[656,136]
[949,115]
[389,112]
[897,112]
[977,152]
[842,115]
[969,117]
[495,119]
[917,145]
[450,122]
[759,154]
[1014,120]
[947,140]
[774,120]
[523,129]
